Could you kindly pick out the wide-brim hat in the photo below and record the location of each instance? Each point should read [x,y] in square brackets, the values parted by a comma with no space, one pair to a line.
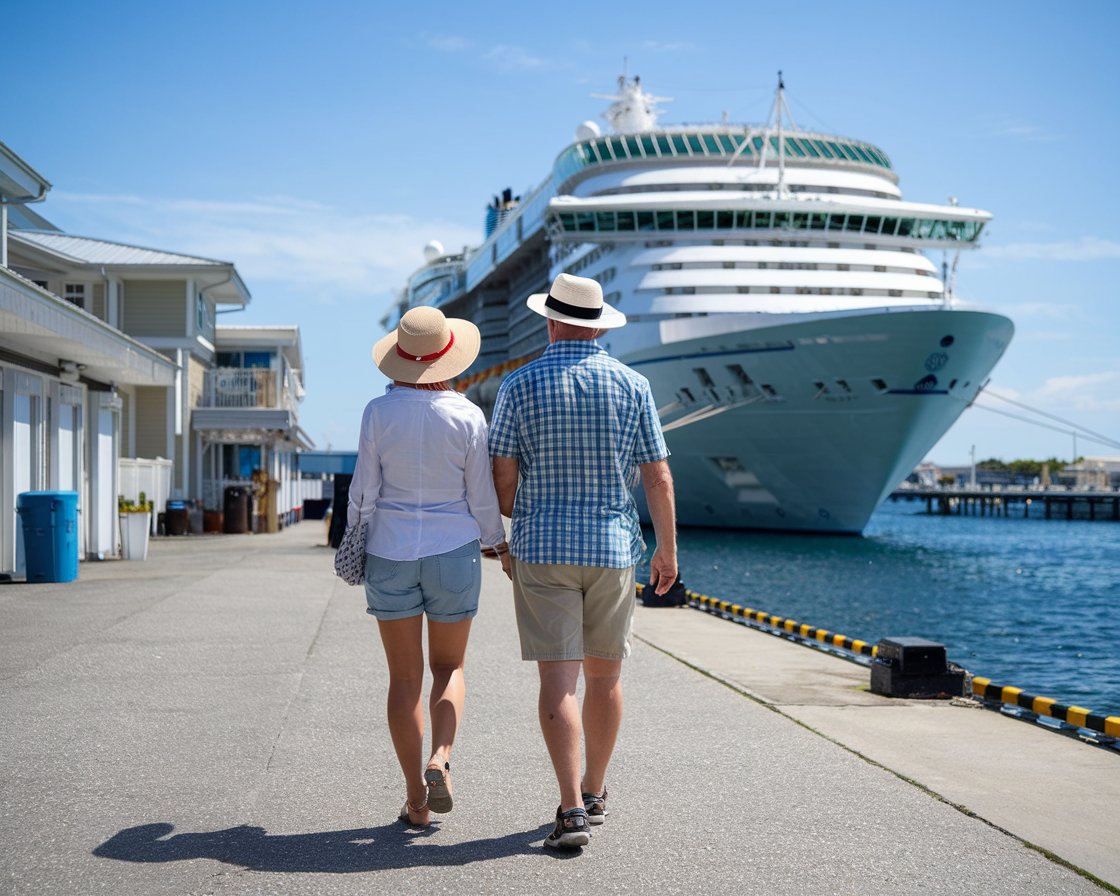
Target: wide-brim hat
[427,347]
[577,301]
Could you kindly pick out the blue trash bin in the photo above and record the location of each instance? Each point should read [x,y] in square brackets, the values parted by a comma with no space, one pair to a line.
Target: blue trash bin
[50,535]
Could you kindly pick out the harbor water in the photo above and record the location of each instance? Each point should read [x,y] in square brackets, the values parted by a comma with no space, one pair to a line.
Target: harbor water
[1025,602]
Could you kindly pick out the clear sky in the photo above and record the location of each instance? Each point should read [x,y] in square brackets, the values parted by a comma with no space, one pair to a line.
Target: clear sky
[319,147]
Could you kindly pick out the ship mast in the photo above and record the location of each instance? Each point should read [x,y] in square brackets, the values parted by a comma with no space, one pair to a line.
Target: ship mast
[778,112]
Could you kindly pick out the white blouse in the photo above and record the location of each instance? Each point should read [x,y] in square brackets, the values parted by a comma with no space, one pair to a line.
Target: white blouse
[422,478]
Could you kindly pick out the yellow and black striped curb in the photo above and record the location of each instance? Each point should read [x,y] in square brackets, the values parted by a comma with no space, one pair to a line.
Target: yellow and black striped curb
[1043,706]
[1076,716]
[778,624]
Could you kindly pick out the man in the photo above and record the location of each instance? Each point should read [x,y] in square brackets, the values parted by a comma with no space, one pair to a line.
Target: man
[579,428]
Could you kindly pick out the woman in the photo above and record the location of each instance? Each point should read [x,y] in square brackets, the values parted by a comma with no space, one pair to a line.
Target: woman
[423,484]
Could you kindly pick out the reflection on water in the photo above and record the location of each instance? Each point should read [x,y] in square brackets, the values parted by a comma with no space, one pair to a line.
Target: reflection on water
[1030,603]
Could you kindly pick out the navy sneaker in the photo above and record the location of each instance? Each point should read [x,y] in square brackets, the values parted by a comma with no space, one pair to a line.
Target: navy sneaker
[572,830]
[595,804]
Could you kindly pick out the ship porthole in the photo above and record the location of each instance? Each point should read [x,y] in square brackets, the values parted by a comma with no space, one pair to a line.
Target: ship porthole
[946,341]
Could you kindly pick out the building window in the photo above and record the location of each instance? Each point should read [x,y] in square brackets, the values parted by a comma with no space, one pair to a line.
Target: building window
[75,294]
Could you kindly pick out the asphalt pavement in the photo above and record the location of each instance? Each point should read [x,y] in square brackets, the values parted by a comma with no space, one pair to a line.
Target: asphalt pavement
[211,721]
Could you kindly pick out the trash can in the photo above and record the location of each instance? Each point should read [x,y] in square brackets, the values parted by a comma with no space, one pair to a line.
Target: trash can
[50,535]
[235,510]
[176,518]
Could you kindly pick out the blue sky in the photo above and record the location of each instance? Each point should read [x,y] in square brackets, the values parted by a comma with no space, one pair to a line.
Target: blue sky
[320,146]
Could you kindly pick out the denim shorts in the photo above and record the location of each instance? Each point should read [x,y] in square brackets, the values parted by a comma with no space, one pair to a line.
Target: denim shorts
[445,586]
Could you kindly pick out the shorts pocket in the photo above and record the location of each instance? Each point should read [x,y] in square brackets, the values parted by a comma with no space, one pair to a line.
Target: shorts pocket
[380,570]
[458,569]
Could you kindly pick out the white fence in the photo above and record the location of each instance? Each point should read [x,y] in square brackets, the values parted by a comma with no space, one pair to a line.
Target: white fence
[150,476]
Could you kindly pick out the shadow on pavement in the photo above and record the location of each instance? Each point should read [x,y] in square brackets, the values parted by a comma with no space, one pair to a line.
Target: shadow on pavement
[339,852]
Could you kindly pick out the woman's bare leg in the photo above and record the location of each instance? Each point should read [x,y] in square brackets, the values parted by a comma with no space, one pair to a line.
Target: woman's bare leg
[404,653]
[447,650]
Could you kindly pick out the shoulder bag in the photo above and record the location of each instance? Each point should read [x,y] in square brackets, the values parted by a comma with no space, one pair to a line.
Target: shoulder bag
[350,558]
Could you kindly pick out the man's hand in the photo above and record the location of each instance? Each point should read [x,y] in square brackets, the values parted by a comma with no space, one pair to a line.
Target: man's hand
[506,566]
[662,570]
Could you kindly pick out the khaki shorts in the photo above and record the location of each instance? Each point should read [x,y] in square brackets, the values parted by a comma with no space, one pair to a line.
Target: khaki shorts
[569,612]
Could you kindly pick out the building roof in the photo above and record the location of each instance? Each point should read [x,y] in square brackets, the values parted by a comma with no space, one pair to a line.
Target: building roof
[225,285]
[86,250]
[19,182]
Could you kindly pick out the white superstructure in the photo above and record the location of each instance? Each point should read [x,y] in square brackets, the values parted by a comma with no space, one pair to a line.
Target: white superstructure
[803,350]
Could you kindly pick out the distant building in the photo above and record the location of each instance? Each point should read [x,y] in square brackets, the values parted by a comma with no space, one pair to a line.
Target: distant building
[1100,472]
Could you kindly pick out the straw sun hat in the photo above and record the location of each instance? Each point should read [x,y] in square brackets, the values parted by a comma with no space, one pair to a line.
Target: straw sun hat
[577,301]
[427,347]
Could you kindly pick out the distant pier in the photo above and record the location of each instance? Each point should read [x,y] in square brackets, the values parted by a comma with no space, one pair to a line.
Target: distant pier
[1050,504]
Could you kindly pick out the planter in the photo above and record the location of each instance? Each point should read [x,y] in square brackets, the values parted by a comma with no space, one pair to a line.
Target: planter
[135,529]
[212,521]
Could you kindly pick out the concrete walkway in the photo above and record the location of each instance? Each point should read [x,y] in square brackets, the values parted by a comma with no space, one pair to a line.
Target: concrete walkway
[211,721]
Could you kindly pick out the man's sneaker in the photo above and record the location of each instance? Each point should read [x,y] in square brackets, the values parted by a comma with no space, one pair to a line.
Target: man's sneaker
[595,804]
[572,830]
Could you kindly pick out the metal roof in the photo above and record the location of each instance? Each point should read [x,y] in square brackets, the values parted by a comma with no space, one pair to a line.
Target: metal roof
[85,250]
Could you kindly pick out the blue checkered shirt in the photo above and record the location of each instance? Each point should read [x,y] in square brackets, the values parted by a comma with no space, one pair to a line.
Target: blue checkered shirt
[579,423]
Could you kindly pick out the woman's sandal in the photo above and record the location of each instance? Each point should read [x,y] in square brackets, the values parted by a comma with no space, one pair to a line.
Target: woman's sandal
[407,811]
[439,788]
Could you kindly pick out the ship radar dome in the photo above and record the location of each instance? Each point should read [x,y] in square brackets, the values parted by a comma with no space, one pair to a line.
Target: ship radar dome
[588,130]
[432,251]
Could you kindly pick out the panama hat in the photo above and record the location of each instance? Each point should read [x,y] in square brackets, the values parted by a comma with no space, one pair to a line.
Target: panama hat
[427,347]
[577,301]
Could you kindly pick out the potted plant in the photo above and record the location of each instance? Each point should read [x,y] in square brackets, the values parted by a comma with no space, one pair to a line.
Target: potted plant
[136,525]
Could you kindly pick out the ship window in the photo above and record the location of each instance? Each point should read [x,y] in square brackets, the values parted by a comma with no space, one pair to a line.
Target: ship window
[604,221]
[686,394]
[810,148]
[879,384]
[664,146]
[795,146]
[889,226]
[843,384]
[625,220]
[703,377]
[645,221]
[711,144]
[821,388]
[665,220]
[741,375]
[694,145]
[836,222]
[837,152]
[769,390]
[585,221]
[686,219]
[649,148]
[705,220]
[725,220]
[727,144]
[680,145]
[855,222]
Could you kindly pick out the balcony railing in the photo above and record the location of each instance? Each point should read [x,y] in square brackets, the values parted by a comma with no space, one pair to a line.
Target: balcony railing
[241,387]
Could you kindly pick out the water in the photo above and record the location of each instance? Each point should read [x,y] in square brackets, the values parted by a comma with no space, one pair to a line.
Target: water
[1025,602]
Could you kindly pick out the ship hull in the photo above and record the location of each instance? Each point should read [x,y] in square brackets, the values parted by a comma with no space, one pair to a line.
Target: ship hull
[807,426]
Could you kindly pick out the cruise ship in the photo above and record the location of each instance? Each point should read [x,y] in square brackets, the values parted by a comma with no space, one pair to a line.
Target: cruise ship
[794,315]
